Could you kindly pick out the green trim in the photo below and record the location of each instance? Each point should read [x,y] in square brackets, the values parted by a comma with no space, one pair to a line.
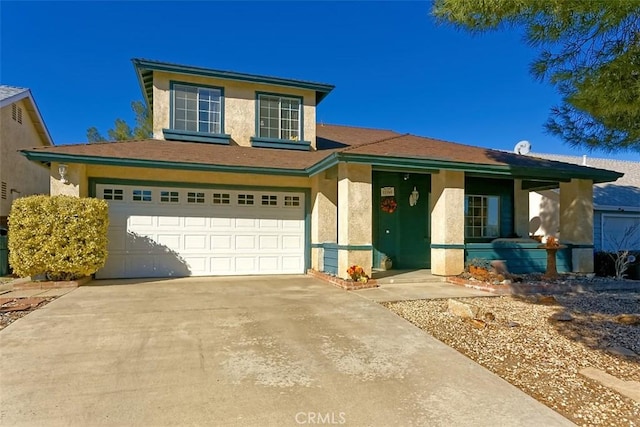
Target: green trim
[324,164]
[144,68]
[172,83]
[447,246]
[279,95]
[155,164]
[280,143]
[189,136]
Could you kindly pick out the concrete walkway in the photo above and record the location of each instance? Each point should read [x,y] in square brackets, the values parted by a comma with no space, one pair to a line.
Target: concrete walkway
[260,351]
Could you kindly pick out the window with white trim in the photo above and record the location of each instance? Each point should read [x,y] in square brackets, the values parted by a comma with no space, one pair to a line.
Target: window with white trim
[142,195]
[292,201]
[197,109]
[269,200]
[245,199]
[169,197]
[195,197]
[481,216]
[221,198]
[113,194]
[279,117]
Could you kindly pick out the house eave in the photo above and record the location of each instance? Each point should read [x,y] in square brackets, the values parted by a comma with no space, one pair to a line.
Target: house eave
[155,164]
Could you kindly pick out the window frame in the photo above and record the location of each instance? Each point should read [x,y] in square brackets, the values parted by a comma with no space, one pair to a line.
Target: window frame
[172,133]
[484,219]
[267,142]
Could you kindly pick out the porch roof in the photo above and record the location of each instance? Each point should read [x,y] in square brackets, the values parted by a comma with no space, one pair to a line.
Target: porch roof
[335,144]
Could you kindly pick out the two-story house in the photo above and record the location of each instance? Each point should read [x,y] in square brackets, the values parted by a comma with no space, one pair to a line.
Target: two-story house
[240,179]
[21,126]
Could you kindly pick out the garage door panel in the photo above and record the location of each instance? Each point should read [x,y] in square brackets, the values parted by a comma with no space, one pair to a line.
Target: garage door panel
[168,237]
[269,242]
[169,240]
[169,221]
[292,242]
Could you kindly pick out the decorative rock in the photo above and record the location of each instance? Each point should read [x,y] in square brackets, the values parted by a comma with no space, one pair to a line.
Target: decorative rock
[562,316]
[477,323]
[506,282]
[628,319]
[461,309]
[513,324]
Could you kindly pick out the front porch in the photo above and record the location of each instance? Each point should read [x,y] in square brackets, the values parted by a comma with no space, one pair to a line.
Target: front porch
[437,220]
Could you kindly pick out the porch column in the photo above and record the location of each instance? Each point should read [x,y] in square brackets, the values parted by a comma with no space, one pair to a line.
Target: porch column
[447,223]
[521,209]
[576,222]
[354,217]
[76,176]
[324,216]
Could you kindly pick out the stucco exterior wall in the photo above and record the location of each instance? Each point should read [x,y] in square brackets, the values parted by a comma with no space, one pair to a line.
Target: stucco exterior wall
[544,213]
[239,105]
[324,214]
[76,178]
[355,204]
[21,175]
[576,221]
[447,223]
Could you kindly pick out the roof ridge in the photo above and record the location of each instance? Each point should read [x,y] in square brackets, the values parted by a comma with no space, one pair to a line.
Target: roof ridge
[373,142]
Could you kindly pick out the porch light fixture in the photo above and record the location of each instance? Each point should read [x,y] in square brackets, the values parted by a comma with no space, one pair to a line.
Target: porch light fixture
[413,198]
[406,176]
[62,170]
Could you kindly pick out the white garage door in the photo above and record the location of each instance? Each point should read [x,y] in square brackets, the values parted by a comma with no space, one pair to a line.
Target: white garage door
[164,232]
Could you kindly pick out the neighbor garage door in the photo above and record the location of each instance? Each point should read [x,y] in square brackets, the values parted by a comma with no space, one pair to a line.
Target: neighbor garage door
[163,232]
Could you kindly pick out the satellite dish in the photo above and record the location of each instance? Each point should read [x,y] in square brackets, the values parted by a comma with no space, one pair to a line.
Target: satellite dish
[522,147]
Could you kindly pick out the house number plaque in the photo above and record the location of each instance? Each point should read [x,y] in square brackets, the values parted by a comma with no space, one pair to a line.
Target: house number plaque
[387,192]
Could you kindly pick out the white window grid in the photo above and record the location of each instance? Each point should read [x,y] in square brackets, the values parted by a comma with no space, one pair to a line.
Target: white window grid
[269,200]
[169,196]
[477,221]
[245,199]
[113,194]
[140,195]
[195,197]
[197,109]
[221,199]
[291,201]
[279,117]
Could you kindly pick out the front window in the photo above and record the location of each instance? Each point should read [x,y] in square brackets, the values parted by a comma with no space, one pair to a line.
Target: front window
[279,117]
[482,216]
[197,109]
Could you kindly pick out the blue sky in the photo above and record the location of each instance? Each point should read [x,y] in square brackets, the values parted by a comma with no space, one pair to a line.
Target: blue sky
[392,65]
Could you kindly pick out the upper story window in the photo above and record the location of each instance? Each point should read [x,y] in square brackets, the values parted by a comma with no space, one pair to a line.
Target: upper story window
[482,216]
[279,117]
[197,109]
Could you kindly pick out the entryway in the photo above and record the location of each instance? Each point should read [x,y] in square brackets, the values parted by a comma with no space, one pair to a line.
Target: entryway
[401,226]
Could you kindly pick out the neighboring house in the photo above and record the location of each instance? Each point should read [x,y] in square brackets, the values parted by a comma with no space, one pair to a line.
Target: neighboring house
[21,126]
[239,179]
[616,205]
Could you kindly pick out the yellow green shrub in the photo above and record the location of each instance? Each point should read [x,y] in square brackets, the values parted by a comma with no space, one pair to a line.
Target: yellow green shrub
[63,237]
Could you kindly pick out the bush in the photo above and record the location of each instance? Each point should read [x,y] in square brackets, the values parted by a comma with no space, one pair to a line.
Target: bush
[63,237]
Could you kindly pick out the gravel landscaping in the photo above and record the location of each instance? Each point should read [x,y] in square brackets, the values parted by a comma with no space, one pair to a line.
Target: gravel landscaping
[547,346]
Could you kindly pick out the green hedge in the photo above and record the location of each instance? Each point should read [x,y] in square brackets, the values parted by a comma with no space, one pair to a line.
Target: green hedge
[63,237]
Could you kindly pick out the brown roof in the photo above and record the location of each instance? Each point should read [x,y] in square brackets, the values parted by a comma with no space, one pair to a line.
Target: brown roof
[346,140]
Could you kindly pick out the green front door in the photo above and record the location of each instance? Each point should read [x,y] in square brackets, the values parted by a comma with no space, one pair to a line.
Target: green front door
[403,235]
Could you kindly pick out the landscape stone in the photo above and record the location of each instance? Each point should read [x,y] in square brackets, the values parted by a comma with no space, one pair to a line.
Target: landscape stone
[562,316]
[461,309]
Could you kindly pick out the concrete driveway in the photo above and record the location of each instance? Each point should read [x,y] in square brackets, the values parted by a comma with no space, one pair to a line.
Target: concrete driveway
[261,351]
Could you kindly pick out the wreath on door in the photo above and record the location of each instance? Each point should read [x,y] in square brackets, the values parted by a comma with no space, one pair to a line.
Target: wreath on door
[389,204]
